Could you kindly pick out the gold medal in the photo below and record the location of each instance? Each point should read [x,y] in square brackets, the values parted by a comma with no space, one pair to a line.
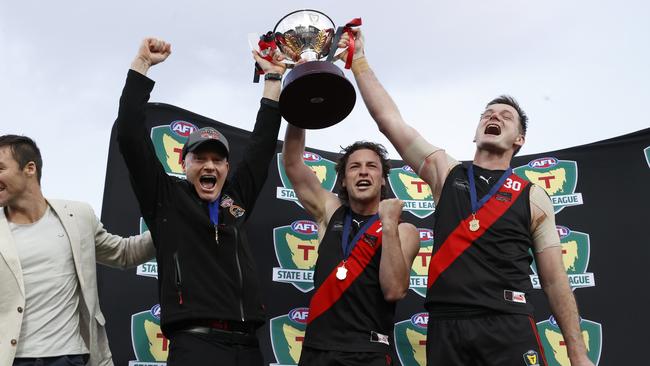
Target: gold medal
[474,224]
[341,272]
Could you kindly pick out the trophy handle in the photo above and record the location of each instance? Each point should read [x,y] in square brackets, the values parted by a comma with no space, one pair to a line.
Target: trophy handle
[337,37]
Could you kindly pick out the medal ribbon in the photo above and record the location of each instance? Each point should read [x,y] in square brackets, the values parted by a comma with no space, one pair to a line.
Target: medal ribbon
[348,245]
[213,208]
[472,188]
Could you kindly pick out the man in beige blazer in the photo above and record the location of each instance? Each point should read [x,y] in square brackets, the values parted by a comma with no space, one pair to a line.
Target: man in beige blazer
[49,309]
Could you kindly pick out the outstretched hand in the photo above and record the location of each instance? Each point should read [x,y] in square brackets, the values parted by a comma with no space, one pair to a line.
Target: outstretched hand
[344,42]
[152,51]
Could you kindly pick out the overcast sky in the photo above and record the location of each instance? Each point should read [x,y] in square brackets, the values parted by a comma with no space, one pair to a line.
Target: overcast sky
[580,69]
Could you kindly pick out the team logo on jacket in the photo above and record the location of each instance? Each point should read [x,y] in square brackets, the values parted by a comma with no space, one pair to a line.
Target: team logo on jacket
[420,267]
[558,178]
[575,256]
[646,151]
[287,334]
[148,269]
[149,344]
[411,340]
[324,169]
[555,347]
[296,248]
[531,358]
[411,189]
[168,141]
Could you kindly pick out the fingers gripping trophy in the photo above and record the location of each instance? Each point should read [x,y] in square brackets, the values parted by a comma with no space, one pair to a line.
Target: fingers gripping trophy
[315,93]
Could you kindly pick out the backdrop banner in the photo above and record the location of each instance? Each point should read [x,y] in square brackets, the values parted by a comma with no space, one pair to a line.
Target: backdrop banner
[599,191]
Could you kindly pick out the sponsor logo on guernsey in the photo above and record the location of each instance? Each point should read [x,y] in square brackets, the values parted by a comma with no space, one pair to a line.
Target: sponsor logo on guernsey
[575,256]
[168,141]
[324,169]
[531,358]
[296,248]
[646,152]
[149,344]
[287,334]
[411,340]
[148,269]
[559,179]
[412,190]
[420,267]
[555,348]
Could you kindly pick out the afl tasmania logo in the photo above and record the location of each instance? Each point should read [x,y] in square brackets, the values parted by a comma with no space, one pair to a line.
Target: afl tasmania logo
[287,335]
[149,344]
[168,141]
[296,248]
[412,190]
[411,340]
[555,347]
[324,169]
[420,266]
[182,128]
[559,179]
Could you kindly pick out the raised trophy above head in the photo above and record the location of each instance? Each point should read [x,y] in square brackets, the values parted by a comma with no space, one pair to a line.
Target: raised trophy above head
[315,93]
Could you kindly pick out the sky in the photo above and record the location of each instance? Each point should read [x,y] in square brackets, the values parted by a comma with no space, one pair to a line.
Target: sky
[580,70]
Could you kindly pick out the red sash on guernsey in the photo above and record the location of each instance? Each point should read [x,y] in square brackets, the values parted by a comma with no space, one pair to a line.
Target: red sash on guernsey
[332,288]
[462,238]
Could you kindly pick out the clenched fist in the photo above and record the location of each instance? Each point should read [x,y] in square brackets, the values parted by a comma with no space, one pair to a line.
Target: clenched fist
[152,51]
[390,211]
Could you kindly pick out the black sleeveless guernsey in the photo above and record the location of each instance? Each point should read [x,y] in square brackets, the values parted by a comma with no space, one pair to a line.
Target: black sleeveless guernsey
[484,271]
[349,315]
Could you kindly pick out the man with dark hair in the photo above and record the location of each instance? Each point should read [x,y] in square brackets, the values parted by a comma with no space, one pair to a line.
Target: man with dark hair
[343,161]
[49,310]
[364,256]
[209,294]
[486,221]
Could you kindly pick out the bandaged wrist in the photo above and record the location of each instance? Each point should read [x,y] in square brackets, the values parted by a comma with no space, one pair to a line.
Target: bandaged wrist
[360,65]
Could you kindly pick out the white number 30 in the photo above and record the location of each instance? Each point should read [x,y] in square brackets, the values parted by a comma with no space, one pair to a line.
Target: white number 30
[513,184]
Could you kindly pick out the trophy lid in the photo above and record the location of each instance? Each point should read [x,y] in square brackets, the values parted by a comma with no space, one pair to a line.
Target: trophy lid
[304,34]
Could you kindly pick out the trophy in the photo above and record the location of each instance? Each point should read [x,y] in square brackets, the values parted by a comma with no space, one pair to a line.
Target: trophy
[315,93]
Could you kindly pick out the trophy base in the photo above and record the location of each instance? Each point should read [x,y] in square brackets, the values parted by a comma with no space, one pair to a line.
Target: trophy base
[316,95]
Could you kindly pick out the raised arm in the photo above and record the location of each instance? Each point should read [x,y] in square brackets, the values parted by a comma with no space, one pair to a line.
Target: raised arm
[431,163]
[251,173]
[319,202]
[400,245]
[147,174]
[553,277]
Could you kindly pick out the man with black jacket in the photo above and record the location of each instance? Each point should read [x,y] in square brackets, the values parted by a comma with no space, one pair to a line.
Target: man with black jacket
[208,287]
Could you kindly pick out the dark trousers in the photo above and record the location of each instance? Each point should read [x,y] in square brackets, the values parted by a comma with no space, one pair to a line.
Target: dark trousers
[317,357]
[217,348]
[69,360]
[503,339]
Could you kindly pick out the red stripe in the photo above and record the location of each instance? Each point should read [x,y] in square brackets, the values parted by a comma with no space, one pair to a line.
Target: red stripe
[539,342]
[462,238]
[332,288]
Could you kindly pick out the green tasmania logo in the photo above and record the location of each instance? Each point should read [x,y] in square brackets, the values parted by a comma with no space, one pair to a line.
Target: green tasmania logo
[148,269]
[324,169]
[411,189]
[149,344]
[296,248]
[646,151]
[420,267]
[559,179]
[575,256]
[411,340]
[555,347]
[287,334]
[168,141]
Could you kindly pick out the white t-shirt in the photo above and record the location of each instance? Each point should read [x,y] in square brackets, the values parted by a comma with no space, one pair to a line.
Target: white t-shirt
[51,317]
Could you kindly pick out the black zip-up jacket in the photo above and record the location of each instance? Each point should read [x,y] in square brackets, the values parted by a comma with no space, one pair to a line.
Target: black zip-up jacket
[199,278]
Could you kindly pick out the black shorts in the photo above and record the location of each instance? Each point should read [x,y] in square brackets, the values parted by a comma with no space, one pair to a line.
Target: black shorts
[485,340]
[316,357]
[190,349]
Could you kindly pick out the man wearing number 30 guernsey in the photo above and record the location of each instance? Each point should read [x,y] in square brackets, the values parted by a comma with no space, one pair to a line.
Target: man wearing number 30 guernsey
[486,221]
[364,257]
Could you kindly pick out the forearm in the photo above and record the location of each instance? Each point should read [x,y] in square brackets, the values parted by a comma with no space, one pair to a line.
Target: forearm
[393,270]
[272,89]
[564,309]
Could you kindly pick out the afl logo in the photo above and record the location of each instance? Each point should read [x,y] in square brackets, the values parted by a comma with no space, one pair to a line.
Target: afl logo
[543,163]
[182,128]
[425,234]
[155,311]
[307,156]
[407,168]
[563,231]
[299,315]
[304,227]
[420,320]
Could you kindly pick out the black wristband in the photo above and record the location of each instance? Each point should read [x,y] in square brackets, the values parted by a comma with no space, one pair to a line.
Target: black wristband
[272,76]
